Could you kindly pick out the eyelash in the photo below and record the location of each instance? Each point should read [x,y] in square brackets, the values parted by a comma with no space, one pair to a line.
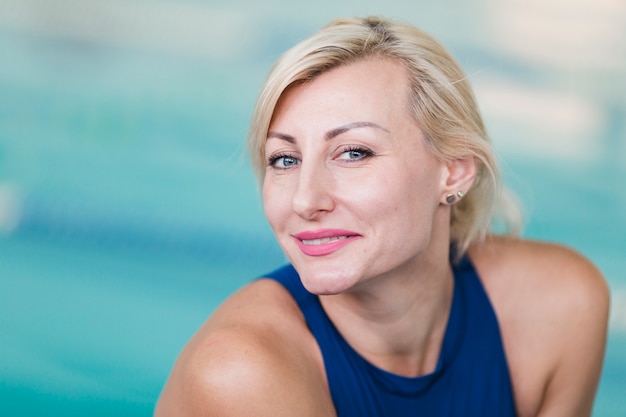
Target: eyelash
[367,153]
[271,161]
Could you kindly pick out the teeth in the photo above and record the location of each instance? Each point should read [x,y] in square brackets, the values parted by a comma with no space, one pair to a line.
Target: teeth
[323,240]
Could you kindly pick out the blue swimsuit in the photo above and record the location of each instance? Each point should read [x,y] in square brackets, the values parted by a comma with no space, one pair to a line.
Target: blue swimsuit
[471,379]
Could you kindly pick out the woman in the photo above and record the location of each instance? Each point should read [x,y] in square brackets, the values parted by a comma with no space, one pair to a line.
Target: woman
[380,184]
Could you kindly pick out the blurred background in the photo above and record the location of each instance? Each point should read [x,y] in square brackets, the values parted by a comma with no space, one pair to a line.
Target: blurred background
[128,210]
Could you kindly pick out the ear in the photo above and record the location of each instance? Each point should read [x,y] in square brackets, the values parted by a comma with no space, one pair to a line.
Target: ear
[458,178]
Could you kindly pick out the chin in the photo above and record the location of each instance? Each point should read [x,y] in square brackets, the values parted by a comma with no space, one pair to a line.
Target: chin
[326,283]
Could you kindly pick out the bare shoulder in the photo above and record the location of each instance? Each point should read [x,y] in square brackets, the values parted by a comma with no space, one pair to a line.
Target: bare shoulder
[517,269]
[553,278]
[534,259]
[254,356]
[552,304]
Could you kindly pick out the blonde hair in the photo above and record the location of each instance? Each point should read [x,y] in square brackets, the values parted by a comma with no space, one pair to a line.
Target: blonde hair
[441,101]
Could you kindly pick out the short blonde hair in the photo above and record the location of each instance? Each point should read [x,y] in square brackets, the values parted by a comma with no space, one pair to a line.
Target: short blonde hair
[441,101]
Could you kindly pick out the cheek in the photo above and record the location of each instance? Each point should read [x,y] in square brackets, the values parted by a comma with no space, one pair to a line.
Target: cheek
[269,206]
[275,202]
[411,194]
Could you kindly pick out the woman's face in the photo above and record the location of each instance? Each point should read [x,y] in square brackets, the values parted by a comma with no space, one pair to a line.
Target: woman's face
[350,190]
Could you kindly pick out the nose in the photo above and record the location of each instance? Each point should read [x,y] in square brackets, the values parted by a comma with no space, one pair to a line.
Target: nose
[313,196]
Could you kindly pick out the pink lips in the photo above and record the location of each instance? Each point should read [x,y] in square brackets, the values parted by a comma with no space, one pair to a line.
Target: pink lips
[324,241]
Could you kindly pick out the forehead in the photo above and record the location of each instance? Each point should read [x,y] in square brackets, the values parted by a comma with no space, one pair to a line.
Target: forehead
[374,86]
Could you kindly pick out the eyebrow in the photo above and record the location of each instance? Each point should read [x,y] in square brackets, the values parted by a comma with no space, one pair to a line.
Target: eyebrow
[342,129]
[330,134]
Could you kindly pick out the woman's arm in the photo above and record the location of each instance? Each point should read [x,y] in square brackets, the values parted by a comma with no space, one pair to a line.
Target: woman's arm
[581,329]
[553,306]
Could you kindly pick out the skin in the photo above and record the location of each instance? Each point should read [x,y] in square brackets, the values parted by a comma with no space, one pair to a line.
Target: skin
[345,153]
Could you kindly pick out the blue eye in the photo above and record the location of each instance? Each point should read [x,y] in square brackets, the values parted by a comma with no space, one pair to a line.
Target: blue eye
[282,161]
[355,154]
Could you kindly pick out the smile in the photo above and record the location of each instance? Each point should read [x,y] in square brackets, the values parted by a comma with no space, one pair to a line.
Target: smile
[324,241]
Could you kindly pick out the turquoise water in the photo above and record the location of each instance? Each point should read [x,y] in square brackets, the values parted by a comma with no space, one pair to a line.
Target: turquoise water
[128,211]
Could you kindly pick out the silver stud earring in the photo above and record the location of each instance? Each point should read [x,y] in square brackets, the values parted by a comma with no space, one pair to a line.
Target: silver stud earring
[460,194]
[450,198]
